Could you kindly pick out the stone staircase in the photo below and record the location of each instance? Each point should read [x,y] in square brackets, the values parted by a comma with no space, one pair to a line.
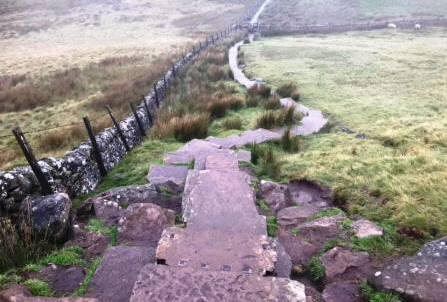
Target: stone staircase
[224,253]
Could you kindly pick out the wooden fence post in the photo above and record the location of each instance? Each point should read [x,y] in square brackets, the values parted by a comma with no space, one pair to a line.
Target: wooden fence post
[157,102]
[28,152]
[96,152]
[118,129]
[137,118]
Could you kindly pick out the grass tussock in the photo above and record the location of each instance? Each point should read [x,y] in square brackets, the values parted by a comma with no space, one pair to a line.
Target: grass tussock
[19,245]
[289,90]
[230,123]
[198,96]
[262,91]
[286,116]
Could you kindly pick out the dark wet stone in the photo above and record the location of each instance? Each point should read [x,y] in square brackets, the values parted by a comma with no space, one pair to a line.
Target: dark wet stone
[276,196]
[63,280]
[293,216]
[164,283]
[283,265]
[422,277]
[342,291]
[109,206]
[143,224]
[93,244]
[308,238]
[307,192]
[344,264]
[50,216]
[117,273]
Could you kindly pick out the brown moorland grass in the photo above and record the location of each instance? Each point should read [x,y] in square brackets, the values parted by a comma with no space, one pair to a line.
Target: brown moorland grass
[197,97]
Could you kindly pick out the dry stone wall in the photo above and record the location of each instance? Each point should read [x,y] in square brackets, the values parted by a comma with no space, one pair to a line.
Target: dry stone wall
[77,172]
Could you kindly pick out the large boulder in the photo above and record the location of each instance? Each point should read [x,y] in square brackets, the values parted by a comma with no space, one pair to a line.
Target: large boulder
[344,264]
[276,196]
[143,224]
[307,239]
[364,228]
[422,277]
[109,206]
[49,216]
[342,291]
[117,273]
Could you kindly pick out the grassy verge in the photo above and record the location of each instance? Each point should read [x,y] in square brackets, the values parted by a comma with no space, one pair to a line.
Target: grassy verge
[388,86]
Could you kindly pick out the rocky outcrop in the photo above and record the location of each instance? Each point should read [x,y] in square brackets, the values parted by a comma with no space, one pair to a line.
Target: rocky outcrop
[109,205]
[117,273]
[275,195]
[304,192]
[143,224]
[164,283]
[422,277]
[48,216]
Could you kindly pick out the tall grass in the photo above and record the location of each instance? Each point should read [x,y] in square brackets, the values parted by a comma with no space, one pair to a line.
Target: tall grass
[289,90]
[198,96]
[20,245]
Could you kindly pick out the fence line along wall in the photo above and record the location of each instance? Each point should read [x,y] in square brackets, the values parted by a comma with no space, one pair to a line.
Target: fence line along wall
[272,30]
[77,171]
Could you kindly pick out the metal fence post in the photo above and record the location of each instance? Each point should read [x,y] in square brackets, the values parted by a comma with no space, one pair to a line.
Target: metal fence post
[137,118]
[118,129]
[97,153]
[28,152]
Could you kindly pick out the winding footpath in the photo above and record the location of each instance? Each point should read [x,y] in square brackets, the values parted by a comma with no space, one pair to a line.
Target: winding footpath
[224,253]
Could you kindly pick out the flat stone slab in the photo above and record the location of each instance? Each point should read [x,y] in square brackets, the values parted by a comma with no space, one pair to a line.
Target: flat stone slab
[222,161]
[244,156]
[248,137]
[364,228]
[422,277]
[163,283]
[195,151]
[217,250]
[117,273]
[161,174]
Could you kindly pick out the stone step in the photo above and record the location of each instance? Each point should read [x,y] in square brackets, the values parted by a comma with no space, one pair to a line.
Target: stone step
[217,250]
[224,230]
[116,275]
[164,283]
[222,200]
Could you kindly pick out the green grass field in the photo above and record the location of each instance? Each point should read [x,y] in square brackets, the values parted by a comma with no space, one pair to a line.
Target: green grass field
[292,13]
[389,85]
